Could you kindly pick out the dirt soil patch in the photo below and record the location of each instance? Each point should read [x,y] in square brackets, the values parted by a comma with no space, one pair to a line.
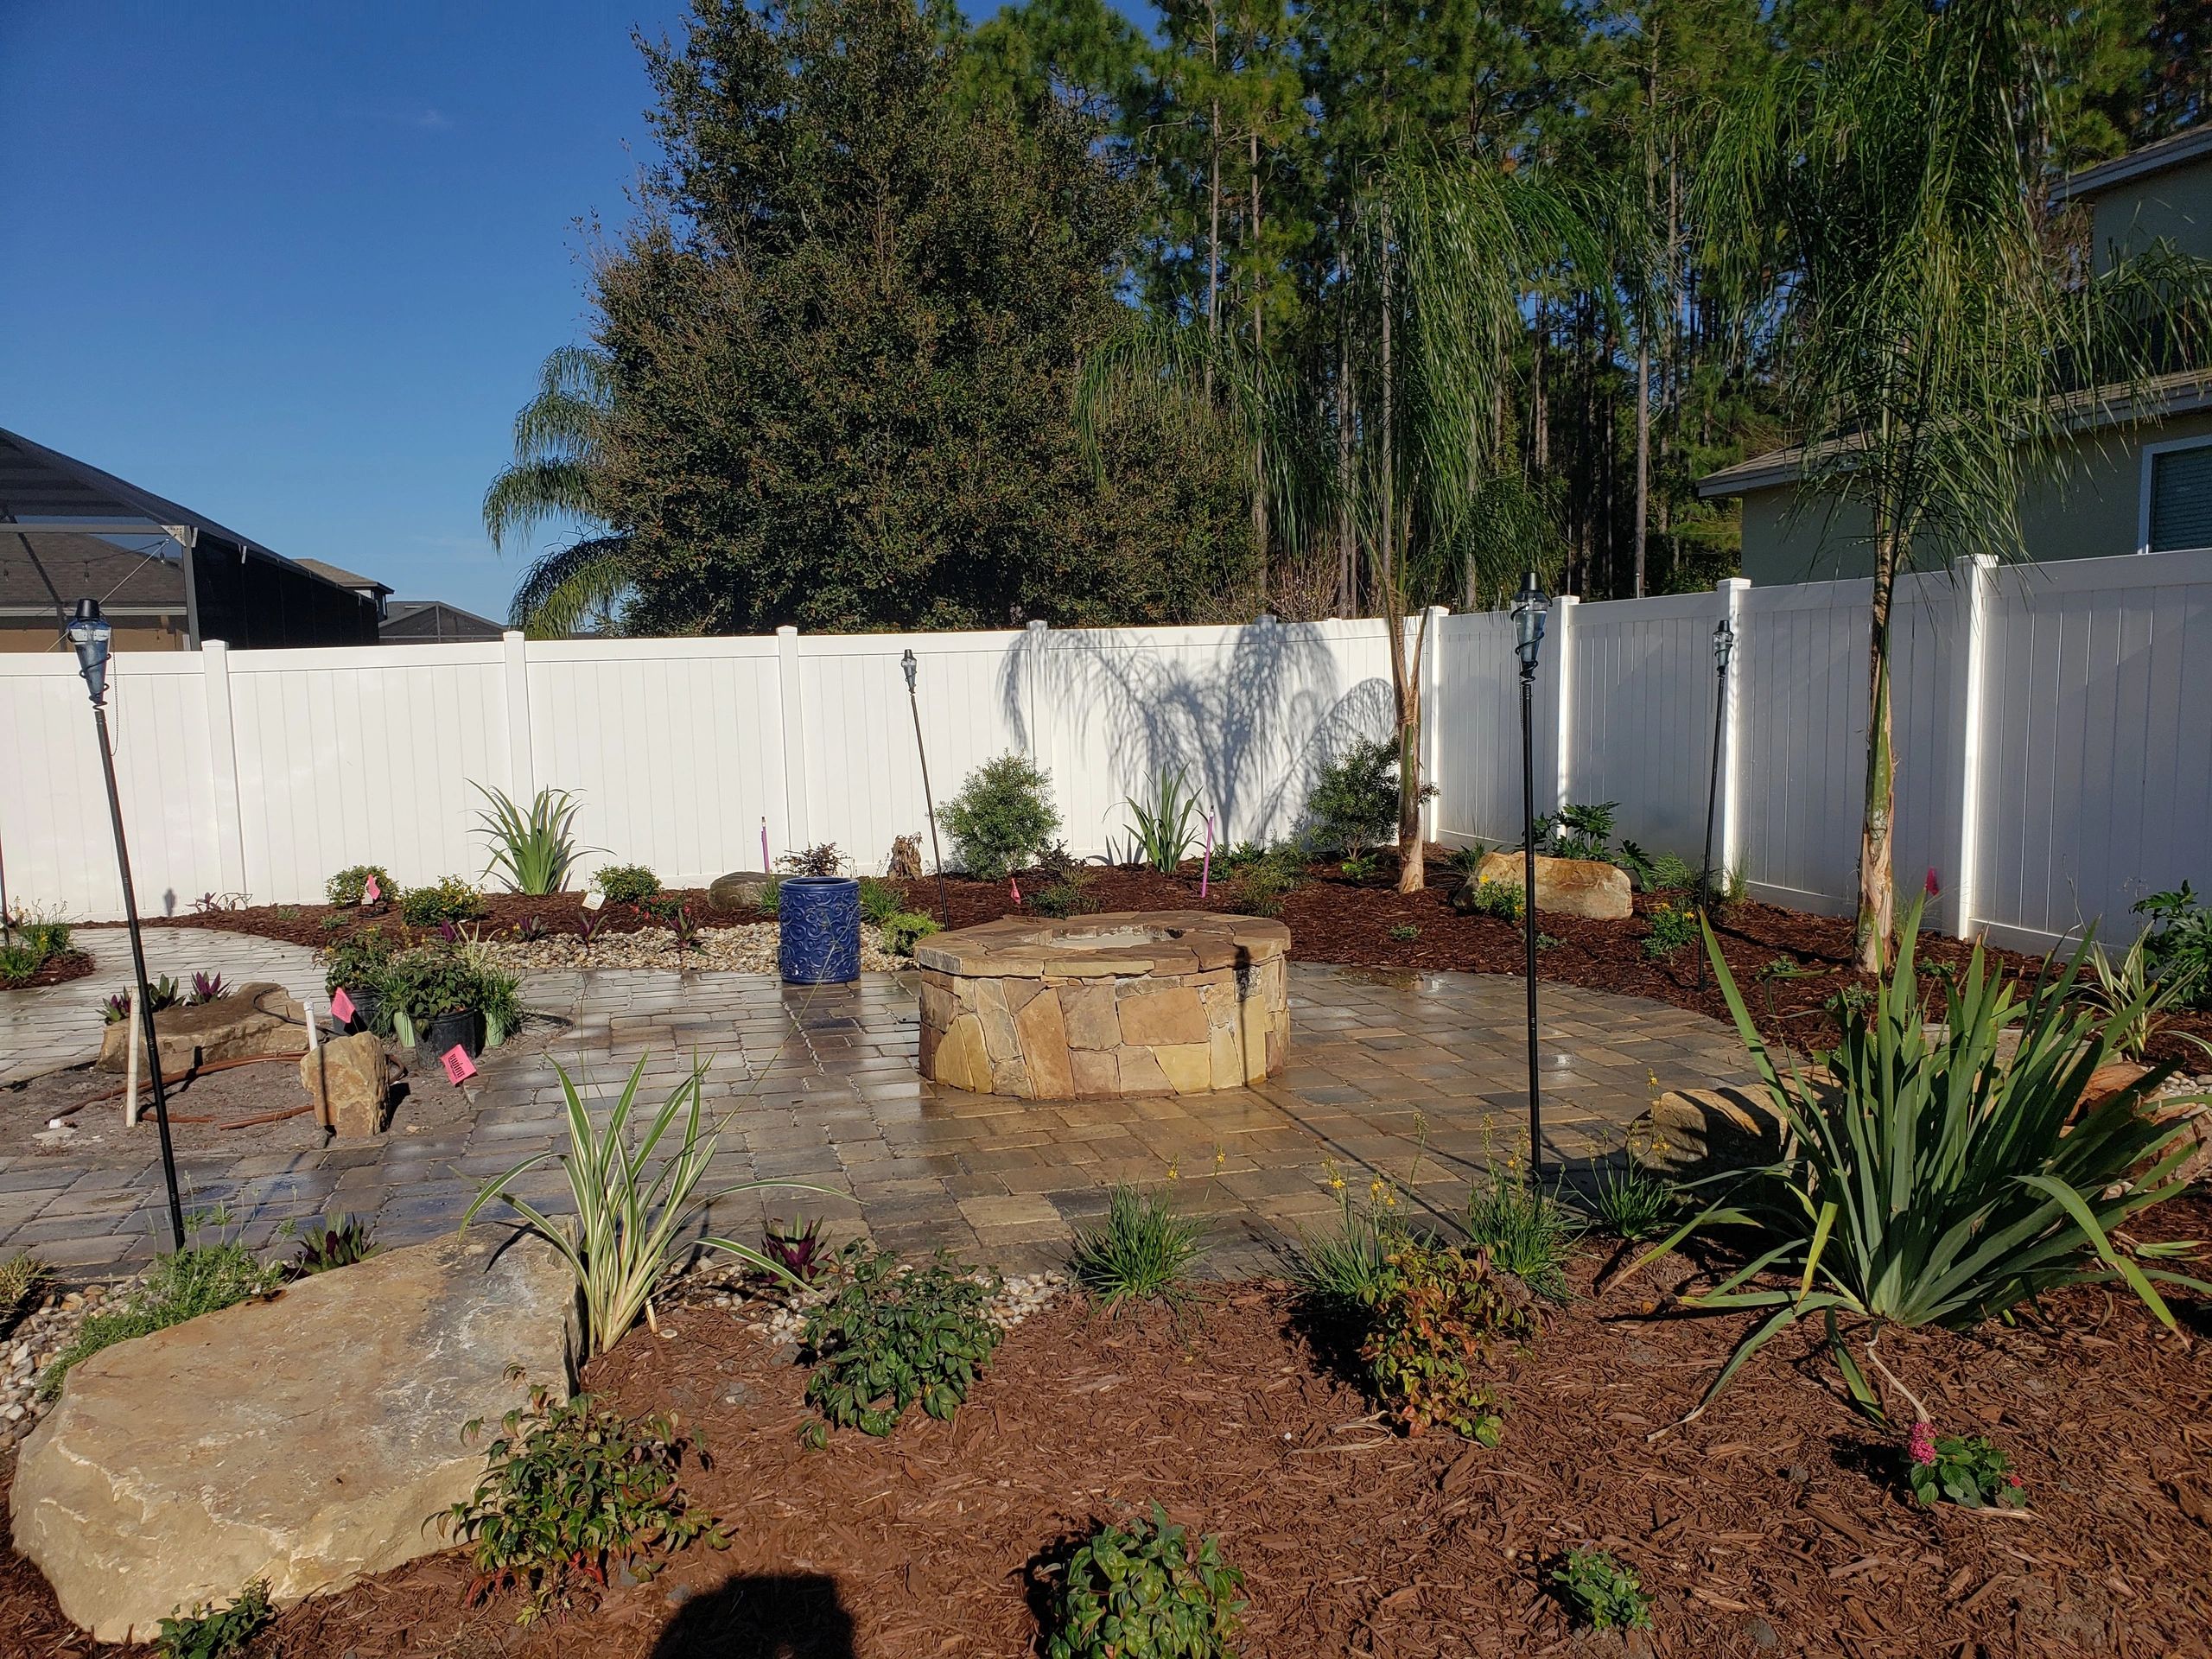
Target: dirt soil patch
[1775,1523]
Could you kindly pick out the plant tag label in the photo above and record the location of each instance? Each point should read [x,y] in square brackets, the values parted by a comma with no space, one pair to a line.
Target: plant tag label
[341,1006]
[594,900]
[458,1067]
[371,891]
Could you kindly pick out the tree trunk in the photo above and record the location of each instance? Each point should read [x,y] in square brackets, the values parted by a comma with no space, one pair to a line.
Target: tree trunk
[1259,360]
[1347,579]
[1877,877]
[1405,675]
[1642,455]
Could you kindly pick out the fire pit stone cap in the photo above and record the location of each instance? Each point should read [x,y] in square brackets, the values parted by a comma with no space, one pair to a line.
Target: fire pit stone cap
[1112,945]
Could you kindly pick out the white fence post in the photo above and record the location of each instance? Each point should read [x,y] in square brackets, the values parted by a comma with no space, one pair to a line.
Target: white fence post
[1975,573]
[223,764]
[794,736]
[522,766]
[1432,712]
[1732,590]
[1563,679]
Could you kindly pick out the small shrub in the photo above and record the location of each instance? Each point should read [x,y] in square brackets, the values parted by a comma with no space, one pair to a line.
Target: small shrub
[570,1490]
[1001,817]
[1060,899]
[1143,1253]
[1354,802]
[2179,945]
[533,850]
[1141,1592]
[347,886]
[1362,866]
[40,937]
[1436,1317]
[1404,932]
[359,962]
[22,1276]
[211,1632]
[823,859]
[1603,1594]
[1526,1231]
[880,900]
[902,931]
[626,884]
[1262,883]
[797,1250]
[1584,831]
[1967,1469]
[453,899]
[199,1278]
[892,1335]
[1499,899]
[1671,929]
[336,1242]
[1669,873]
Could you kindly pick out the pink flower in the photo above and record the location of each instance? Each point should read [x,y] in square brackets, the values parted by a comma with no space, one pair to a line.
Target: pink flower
[1921,1445]
[2012,1480]
[1934,886]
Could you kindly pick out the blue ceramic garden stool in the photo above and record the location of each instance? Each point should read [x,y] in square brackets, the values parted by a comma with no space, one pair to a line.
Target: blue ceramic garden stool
[820,918]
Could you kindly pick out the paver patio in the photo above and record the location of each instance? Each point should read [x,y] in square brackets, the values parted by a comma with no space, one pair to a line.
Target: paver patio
[1421,1077]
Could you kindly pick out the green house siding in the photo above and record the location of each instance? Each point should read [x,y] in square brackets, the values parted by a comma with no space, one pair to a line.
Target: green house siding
[2176,204]
[2095,512]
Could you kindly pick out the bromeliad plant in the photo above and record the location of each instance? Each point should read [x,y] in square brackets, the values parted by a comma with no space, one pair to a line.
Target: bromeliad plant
[1142,1591]
[1934,1183]
[635,1215]
[532,851]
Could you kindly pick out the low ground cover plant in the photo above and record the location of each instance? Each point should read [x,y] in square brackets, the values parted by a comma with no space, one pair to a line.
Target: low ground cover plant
[1143,1591]
[37,940]
[571,1489]
[625,884]
[1499,899]
[208,1631]
[1670,929]
[634,1216]
[1263,877]
[351,884]
[1966,1470]
[1438,1317]
[1603,1594]
[903,928]
[453,899]
[181,1285]
[893,1335]
[1934,1183]
[1144,1252]
[1001,818]
[534,848]
[1060,899]
[337,1241]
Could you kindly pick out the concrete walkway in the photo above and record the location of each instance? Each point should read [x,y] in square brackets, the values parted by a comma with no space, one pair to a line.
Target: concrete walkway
[1421,1078]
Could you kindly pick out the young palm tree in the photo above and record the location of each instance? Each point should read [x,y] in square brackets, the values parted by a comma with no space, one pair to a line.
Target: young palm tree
[1873,217]
[554,477]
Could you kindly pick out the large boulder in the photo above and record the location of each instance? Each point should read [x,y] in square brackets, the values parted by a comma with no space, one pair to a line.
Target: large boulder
[348,1081]
[1567,886]
[739,890]
[305,1440]
[258,1019]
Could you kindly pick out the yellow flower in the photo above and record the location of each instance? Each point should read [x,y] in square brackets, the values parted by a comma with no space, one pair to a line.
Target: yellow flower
[1173,1174]
[1336,1183]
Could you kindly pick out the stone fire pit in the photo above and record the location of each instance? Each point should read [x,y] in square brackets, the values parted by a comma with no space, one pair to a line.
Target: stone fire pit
[1136,1003]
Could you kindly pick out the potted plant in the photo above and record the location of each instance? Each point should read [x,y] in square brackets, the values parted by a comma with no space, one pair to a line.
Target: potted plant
[443,996]
[358,965]
[818,918]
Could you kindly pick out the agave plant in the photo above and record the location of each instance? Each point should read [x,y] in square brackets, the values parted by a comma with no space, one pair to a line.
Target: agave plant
[533,852]
[1934,1183]
[635,1215]
[1166,827]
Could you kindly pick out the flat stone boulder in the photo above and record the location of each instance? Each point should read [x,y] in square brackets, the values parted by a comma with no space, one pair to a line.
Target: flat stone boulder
[305,1440]
[259,1019]
[1689,1134]
[1567,886]
[739,890]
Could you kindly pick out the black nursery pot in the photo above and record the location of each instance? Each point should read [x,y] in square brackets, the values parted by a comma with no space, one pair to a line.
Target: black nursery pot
[463,1029]
[368,1007]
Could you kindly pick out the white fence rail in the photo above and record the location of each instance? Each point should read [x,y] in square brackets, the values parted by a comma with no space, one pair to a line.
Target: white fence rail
[2054,732]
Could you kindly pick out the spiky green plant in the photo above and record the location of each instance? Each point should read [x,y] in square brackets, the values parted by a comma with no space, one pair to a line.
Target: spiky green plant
[532,851]
[1143,1253]
[1934,1183]
[1166,826]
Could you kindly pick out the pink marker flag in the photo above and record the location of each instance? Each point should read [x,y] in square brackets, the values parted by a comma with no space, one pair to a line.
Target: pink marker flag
[371,891]
[341,1006]
[1205,870]
[765,865]
[1016,886]
[458,1067]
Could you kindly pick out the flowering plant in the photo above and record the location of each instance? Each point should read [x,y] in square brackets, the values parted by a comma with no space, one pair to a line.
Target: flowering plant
[1966,1469]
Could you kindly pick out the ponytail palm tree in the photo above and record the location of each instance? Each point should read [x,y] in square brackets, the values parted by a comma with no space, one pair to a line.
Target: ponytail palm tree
[555,477]
[1872,218]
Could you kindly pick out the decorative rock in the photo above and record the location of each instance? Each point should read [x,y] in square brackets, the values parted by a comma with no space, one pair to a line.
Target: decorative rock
[1692,1132]
[348,1081]
[258,1019]
[739,890]
[302,1440]
[1567,886]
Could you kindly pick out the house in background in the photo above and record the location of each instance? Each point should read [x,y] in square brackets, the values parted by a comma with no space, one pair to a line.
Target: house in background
[166,576]
[2133,480]
[432,621]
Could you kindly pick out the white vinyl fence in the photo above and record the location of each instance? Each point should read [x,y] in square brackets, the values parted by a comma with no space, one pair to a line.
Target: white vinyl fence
[2054,729]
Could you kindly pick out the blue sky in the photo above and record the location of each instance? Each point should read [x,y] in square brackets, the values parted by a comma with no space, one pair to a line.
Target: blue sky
[296,265]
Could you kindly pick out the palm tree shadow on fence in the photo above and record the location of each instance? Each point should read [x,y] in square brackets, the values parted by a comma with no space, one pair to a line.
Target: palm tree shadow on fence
[1251,729]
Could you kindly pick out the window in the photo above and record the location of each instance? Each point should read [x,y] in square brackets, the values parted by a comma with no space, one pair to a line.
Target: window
[2177,496]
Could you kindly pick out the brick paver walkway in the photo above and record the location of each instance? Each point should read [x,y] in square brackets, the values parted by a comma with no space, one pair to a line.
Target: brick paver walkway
[1418,1076]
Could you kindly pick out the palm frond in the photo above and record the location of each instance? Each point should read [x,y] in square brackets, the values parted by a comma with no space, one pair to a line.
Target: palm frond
[564,587]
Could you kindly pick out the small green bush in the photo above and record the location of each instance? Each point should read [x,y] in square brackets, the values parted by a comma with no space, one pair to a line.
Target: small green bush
[901,931]
[1603,1594]
[1141,1592]
[1404,932]
[359,962]
[211,1632]
[1001,818]
[1526,1231]
[1436,1317]
[569,1490]
[892,1335]
[1670,873]
[1060,899]
[199,1278]
[1354,801]
[1263,881]
[349,884]
[880,900]
[453,899]
[2179,945]
[626,884]
[1144,1252]
[39,938]
[1968,1469]
[1499,899]
[1672,929]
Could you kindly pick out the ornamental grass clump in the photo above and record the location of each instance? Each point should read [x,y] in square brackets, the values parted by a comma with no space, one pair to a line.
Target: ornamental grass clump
[1144,1252]
[199,1278]
[533,848]
[1144,1592]
[1524,1230]
[1934,1183]
[635,1216]
[893,1335]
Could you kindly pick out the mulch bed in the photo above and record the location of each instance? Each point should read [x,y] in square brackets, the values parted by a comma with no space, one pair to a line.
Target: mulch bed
[1788,964]
[1774,1523]
[57,970]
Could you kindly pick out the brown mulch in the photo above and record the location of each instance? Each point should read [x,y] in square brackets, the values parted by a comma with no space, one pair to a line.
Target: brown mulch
[57,970]
[1774,1523]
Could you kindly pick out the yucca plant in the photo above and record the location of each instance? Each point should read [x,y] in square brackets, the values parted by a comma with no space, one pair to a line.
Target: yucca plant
[2135,997]
[634,1216]
[1167,824]
[533,852]
[1934,1183]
